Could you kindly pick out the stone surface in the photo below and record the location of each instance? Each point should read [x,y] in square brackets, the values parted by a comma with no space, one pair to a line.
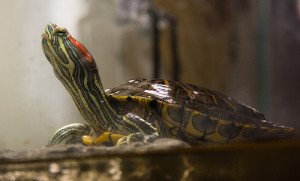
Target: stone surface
[165,159]
[79,151]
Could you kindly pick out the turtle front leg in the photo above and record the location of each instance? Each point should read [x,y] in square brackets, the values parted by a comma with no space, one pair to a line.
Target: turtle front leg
[137,128]
[70,134]
[82,134]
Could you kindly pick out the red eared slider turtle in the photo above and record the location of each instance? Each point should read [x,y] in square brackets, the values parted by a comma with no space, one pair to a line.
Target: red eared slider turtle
[158,108]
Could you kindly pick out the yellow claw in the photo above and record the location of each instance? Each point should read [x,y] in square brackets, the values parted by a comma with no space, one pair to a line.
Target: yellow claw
[105,137]
[88,140]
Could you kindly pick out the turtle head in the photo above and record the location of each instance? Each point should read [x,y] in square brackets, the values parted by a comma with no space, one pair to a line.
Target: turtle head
[73,65]
[65,53]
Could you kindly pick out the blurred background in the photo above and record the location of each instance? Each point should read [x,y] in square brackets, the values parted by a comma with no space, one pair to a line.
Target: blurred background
[247,49]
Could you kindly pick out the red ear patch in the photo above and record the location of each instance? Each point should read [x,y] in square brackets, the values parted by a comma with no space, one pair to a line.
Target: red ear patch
[82,49]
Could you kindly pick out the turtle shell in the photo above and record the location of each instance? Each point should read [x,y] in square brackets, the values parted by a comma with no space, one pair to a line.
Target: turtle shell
[193,113]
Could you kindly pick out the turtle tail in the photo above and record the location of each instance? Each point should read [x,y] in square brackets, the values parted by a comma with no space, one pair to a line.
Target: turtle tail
[265,130]
[275,131]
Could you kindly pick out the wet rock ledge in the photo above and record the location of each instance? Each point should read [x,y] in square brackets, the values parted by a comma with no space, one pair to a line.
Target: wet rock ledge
[165,159]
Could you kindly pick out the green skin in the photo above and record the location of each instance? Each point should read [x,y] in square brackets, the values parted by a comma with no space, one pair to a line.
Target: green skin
[146,109]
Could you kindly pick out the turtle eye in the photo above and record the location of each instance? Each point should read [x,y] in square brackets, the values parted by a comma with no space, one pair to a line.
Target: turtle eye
[60,31]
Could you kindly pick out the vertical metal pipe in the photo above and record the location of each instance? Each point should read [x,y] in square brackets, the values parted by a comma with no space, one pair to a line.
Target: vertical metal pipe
[174,49]
[156,40]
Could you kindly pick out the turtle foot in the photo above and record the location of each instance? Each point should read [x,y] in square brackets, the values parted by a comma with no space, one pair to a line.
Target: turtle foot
[137,138]
[106,138]
[70,134]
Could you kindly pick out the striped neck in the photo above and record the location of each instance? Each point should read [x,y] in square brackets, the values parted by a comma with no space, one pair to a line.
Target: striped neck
[90,99]
[76,69]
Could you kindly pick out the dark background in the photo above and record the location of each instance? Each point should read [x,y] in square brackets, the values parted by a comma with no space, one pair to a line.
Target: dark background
[246,49]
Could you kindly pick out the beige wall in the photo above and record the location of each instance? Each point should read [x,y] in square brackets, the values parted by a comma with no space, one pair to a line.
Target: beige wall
[33,103]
